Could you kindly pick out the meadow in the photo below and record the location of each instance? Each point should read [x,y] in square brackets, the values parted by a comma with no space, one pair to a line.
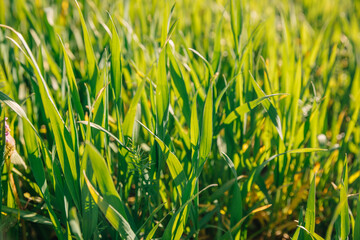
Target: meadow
[188,119]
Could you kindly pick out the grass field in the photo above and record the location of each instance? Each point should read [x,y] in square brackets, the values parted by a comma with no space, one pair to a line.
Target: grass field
[188,119]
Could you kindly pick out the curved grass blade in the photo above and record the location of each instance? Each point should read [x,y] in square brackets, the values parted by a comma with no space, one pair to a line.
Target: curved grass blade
[255,173]
[246,107]
[27,215]
[104,179]
[175,227]
[62,136]
[174,165]
[238,225]
[150,217]
[72,83]
[17,109]
[269,107]
[208,65]
[236,202]
[118,222]
[75,224]
[311,235]
[180,86]
[92,69]
[98,127]
[131,113]
[334,218]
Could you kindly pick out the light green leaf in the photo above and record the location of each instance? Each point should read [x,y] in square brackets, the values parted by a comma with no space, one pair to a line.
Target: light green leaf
[92,68]
[207,127]
[104,179]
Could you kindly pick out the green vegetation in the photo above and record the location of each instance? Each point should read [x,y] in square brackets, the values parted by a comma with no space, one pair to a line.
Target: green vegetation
[221,119]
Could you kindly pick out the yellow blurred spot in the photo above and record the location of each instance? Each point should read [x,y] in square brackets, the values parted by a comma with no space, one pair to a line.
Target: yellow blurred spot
[329,134]
[297,176]
[282,97]
[38,3]
[262,149]
[316,167]
[245,147]
[131,200]
[86,117]
[223,211]
[27,195]
[43,129]
[64,5]
[353,177]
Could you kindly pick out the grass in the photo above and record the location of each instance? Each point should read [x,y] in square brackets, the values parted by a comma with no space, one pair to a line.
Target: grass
[219,119]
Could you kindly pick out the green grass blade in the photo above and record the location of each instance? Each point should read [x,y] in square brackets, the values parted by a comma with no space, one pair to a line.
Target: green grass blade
[92,67]
[236,202]
[246,107]
[104,180]
[175,227]
[337,212]
[208,65]
[98,127]
[357,221]
[116,66]
[75,224]
[269,107]
[194,124]
[131,114]
[180,86]
[17,109]
[207,127]
[27,215]
[60,132]
[310,209]
[162,94]
[72,83]
[174,165]
[344,215]
[217,47]
[116,219]
[39,175]
[255,173]
[236,18]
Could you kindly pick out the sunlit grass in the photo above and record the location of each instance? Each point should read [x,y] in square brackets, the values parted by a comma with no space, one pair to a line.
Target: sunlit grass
[188,120]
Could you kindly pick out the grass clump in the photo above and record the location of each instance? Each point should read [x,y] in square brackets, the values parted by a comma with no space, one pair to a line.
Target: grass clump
[216,119]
